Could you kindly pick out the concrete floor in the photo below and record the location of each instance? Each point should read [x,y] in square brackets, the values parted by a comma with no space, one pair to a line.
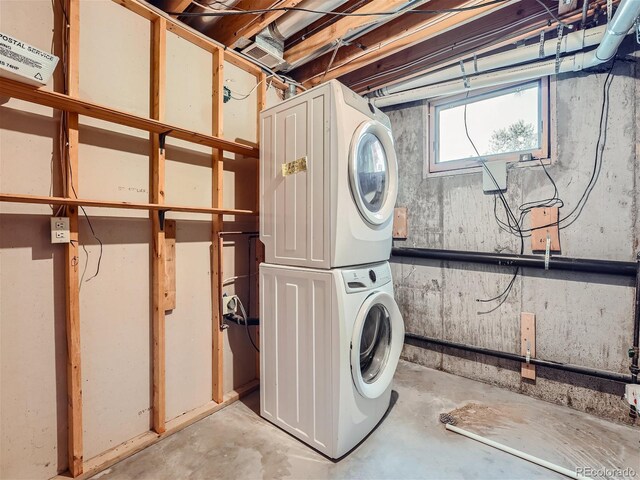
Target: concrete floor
[409,443]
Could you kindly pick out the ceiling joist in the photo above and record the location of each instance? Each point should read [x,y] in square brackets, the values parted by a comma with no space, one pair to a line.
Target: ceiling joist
[401,33]
[340,29]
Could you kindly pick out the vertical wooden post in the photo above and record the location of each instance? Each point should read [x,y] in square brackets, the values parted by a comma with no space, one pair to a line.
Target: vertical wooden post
[72,291]
[261,104]
[158,71]
[216,239]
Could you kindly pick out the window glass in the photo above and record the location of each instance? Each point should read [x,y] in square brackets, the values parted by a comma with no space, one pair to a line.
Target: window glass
[501,122]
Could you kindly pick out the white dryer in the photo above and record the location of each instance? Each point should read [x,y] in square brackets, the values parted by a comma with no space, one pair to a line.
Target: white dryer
[328,180]
[330,341]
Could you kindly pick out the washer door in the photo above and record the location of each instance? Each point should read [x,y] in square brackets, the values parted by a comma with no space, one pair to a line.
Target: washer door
[378,336]
[373,172]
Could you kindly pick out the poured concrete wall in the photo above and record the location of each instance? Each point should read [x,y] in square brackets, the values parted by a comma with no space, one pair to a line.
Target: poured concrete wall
[115,307]
[583,319]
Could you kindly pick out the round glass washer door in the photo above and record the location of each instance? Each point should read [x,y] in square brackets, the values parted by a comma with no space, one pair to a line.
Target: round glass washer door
[373,172]
[377,340]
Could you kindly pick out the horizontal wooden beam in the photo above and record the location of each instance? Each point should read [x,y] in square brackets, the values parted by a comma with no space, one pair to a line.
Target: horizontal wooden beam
[397,35]
[43,200]
[480,36]
[67,103]
[130,447]
[229,30]
[340,29]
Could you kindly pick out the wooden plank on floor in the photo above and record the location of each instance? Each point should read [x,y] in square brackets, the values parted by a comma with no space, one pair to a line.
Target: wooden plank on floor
[169,264]
[216,227]
[72,290]
[528,343]
[158,76]
[130,447]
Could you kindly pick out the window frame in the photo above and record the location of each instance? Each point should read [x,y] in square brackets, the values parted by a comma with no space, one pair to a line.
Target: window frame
[470,165]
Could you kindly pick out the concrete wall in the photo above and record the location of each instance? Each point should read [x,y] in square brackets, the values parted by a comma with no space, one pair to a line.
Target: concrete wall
[115,306]
[581,318]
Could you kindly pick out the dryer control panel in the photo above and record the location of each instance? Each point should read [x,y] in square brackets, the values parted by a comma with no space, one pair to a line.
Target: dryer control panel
[366,278]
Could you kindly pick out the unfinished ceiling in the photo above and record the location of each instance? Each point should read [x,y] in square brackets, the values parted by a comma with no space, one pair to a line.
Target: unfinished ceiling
[369,44]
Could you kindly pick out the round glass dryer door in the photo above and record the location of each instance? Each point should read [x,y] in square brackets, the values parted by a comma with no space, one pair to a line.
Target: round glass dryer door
[375,348]
[373,172]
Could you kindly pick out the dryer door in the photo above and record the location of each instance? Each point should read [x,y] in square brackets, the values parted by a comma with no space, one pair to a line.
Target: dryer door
[378,336]
[373,172]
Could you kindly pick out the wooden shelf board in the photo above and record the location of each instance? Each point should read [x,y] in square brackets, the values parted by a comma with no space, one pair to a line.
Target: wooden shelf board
[67,103]
[15,198]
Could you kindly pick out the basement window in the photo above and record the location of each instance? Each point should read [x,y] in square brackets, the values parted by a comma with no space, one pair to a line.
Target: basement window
[502,123]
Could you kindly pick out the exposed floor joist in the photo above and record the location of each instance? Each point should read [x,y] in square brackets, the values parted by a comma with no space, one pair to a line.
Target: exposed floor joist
[399,34]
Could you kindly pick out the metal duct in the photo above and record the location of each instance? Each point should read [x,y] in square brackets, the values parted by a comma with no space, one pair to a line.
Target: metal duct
[206,24]
[293,22]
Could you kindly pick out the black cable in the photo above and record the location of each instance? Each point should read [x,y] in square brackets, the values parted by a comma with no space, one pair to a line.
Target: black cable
[228,13]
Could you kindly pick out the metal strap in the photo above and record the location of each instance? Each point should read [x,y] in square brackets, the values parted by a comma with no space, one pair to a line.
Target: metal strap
[547,253]
[475,63]
[558,45]
[541,50]
[464,75]
[609,10]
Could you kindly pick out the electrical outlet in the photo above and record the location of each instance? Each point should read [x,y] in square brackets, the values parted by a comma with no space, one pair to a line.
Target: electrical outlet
[229,304]
[60,230]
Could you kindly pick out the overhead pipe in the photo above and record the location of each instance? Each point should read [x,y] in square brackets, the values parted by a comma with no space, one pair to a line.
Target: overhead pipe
[570,43]
[417,340]
[606,267]
[616,30]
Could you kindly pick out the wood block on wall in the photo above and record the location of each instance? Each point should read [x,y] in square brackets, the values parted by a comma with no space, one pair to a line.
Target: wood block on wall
[170,264]
[400,223]
[528,342]
[546,217]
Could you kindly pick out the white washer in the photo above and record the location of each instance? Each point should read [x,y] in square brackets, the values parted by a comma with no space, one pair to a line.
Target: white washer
[339,210]
[330,341]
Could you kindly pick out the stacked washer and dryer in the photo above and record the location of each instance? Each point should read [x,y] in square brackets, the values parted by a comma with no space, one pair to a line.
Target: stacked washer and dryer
[331,332]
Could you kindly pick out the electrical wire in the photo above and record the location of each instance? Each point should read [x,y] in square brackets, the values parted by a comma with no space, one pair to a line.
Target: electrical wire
[246,324]
[553,15]
[228,13]
[243,96]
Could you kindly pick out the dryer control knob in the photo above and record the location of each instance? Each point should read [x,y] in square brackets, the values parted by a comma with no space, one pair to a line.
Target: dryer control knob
[372,275]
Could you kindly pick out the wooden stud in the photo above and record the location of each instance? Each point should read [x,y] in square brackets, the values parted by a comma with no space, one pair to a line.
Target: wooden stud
[72,290]
[158,76]
[169,264]
[70,103]
[44,200]
[400,223]
[546,217]
[216,228]
[528,343]
[259,246]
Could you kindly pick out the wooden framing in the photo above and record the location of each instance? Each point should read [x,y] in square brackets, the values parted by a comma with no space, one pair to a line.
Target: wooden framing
[397,35]
[339,29]
[158,76]
[72,106]
[216,227]
[72,282]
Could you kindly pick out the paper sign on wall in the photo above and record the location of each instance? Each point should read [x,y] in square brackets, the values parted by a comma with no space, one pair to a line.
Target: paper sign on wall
[25,63]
